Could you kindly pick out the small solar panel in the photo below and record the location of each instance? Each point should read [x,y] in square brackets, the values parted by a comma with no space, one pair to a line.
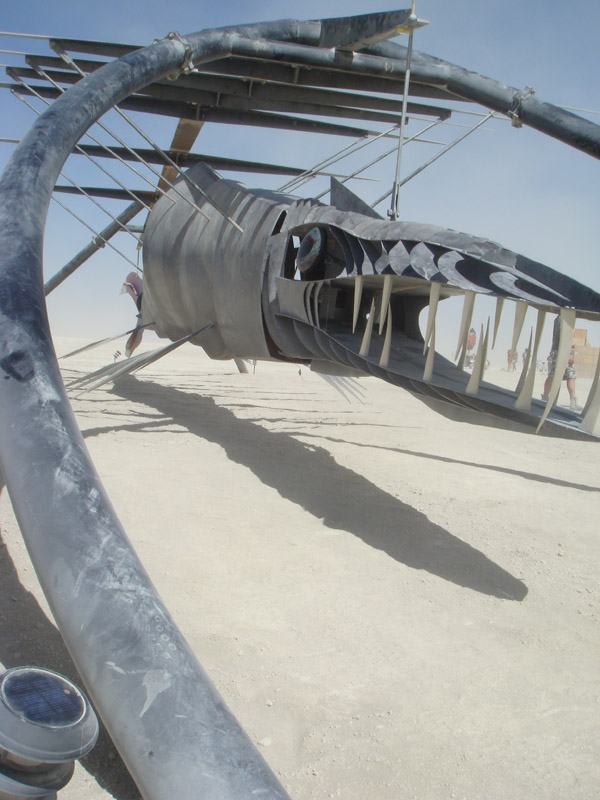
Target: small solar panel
[43,698]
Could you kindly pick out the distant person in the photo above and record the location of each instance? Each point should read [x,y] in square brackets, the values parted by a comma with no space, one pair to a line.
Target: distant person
[471,340]
[509,360]
[569,374]
[525,356]
[514,359]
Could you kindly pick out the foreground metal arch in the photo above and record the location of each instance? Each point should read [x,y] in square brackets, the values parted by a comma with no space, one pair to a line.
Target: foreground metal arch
[76,542]
[98,590]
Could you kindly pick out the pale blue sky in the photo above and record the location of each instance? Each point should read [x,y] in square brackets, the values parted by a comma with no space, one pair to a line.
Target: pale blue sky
[521,188]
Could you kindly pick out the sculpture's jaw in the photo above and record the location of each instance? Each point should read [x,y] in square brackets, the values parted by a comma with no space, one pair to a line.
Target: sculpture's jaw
[346,293]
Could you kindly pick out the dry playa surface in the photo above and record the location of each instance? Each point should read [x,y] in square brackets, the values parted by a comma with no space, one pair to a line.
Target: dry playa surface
[395,606]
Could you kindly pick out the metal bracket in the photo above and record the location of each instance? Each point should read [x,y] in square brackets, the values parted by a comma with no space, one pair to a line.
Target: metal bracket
[411,24]
[188,64]
[517,103]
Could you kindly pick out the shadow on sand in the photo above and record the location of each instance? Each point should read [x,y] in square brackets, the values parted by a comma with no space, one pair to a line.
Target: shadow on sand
[309,476]
[28,638]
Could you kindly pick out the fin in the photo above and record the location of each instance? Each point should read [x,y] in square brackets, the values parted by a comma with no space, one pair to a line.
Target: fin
[345,200]
[134,341]
[103,341]
[113,371]
[241,365]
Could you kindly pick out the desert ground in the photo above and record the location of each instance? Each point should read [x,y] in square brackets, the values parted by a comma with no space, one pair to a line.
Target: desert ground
[396,606]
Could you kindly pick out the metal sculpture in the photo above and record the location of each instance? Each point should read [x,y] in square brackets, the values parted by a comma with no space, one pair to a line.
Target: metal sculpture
[342,291]
[258,275]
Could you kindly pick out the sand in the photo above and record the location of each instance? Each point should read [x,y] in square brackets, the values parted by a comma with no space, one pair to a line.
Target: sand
[393,604]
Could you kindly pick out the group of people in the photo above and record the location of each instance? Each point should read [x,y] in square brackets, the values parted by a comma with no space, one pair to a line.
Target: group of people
[512,358]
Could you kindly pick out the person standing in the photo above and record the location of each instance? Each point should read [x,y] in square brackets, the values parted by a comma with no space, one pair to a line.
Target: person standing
[570,373]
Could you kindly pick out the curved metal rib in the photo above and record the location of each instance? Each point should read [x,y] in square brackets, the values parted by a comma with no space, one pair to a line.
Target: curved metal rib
[135,663]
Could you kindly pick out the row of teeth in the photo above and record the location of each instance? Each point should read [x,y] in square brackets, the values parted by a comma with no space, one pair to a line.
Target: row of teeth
[591,413]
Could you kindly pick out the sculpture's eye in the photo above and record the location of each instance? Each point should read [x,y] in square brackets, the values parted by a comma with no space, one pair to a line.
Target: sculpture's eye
[311,250]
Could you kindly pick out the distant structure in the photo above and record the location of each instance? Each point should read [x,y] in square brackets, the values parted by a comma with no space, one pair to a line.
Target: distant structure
[586,356]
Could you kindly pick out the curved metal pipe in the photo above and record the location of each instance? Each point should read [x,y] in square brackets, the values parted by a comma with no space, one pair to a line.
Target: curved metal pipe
[388,60]
[522,106]
[174,731]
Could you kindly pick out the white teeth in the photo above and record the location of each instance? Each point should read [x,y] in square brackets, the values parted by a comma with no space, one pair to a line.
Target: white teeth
[497,318]
[567,326]
[387,344]
[480,359]
[428,371]
[366,340]
[524,371]
[526,381]
[591,412]
[358,286]
[465,323]
[388,280]
[520,311]
[434,296]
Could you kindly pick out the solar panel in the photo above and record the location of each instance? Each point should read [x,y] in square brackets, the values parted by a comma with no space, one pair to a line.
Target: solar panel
[42,697]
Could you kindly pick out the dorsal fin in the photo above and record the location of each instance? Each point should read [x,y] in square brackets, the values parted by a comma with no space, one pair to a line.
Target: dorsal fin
[345,200]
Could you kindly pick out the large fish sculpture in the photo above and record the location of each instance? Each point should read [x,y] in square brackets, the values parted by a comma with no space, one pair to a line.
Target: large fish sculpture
[264,275]
[244,274]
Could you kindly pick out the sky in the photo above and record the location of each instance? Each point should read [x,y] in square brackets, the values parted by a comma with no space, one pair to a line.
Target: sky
[519,187]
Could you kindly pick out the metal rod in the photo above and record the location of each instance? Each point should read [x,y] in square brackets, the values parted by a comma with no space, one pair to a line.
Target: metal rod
[76,185]
[436,156]
[89,227]
[24,35]
[77,147]
[186,178]
[161,177]
[167,158]
[96,244]
[69,60]
[381,157]
[107,148]
[198,84]
[306,101]
[187,159]
[523,106]
[47,77]
[393,211]
[327,162]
